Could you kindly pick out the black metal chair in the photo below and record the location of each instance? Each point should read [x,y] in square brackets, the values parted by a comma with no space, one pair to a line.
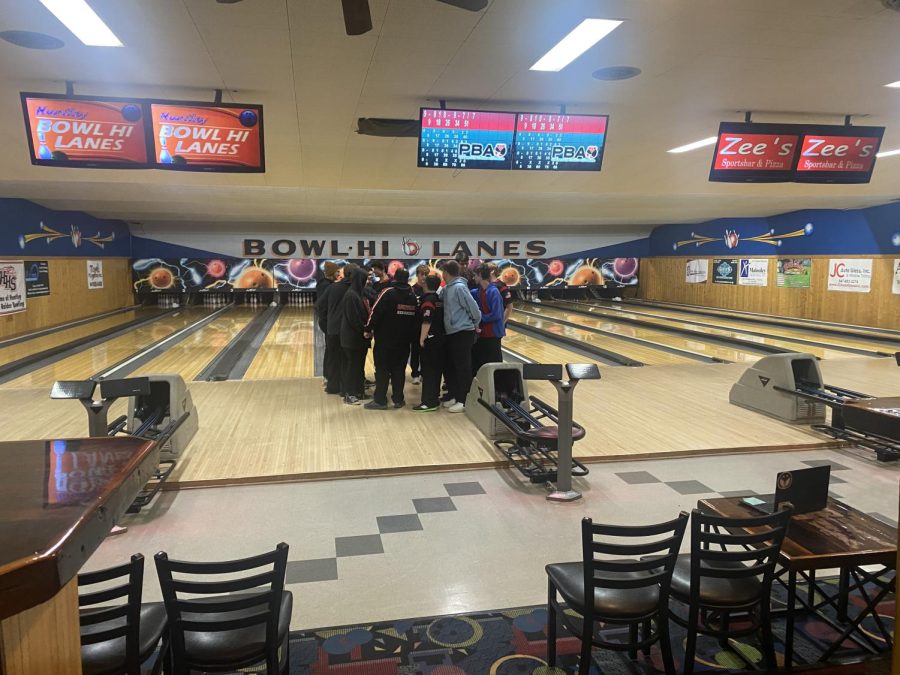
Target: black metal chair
[728,574]
[625,590]
[219,632]
[117,638]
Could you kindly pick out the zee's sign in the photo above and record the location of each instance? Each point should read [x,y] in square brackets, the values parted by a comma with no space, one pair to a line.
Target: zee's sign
[755,152]
[838,153]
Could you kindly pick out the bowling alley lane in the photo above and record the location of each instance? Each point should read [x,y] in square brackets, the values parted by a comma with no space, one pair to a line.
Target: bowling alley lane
[687,344]
[190,356]
[645,354]
[289,347]
[735,322]
[711,330]
[39,344]
[91,361]
[540,351]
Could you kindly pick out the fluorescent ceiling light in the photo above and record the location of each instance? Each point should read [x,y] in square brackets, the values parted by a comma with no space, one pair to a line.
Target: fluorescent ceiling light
[695,145]
[888,153]
[585,35]
[78,17]
[894,85]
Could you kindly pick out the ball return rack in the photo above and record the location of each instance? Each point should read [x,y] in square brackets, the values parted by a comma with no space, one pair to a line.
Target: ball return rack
[149,428]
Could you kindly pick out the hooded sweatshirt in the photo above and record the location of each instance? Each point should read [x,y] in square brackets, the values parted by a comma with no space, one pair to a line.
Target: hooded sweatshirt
[355,313]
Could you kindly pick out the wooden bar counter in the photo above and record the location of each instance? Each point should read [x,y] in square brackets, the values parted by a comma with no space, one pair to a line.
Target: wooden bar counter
[58,501]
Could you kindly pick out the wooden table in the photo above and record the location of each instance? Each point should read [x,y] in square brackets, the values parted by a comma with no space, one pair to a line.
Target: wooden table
[58,500]
[837,537]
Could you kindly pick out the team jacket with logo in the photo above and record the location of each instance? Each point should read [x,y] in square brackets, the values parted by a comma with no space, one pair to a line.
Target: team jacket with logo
[431,310]
[393,316]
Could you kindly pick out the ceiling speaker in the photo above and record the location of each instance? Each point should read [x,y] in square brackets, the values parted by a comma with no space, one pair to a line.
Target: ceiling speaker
[357,17]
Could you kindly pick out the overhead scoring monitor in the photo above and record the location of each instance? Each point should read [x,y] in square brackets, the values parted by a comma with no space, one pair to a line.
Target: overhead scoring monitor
[465,139]
[559,142]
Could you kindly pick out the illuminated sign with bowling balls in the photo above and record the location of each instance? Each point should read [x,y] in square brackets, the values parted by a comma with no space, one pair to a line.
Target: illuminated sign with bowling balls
[466,139]
[208,137]
[85,132]
[559,142]
[586,275]
[254,277]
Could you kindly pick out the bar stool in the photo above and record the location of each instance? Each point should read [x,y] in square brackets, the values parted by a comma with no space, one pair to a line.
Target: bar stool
[241,622]
[617,590]
[117,639]
[733,579]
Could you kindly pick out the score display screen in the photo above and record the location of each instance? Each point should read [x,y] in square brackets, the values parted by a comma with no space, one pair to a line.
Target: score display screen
[85,132]
[559,142]
[755,153]
[835,154]
[208,137]
[466,139]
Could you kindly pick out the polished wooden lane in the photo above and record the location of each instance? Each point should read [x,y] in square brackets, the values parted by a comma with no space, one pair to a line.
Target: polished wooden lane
[710,328]
[632,413]
[540,351]
[289,348]
[100,357]
[39,344]
[726,320]
[190,356]
[685,343]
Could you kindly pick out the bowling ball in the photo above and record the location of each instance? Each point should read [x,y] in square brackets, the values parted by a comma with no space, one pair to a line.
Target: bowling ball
[131,112]
[510,276]
[625,267]
[161,278]
[248,118]
[255,277]
[178,159]
[302,269]
[586,276]
[216,269]
[556,268]
[59,155]
[393,266]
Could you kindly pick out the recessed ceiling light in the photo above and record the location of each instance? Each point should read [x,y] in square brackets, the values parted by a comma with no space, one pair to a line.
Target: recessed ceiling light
[888,153]
[616,73]
[31,40]
[585,35]
[695,145]
[78,17]
[894,85]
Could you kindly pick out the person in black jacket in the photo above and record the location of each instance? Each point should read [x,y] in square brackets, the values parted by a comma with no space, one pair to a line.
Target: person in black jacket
[355,313]
[332,311]
[392,321]
[329,269]
[430,339]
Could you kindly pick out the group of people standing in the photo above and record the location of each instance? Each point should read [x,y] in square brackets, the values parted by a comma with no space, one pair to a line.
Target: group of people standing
[445,326]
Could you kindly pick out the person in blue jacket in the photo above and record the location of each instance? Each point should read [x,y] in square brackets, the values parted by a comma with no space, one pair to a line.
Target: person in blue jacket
[492,327]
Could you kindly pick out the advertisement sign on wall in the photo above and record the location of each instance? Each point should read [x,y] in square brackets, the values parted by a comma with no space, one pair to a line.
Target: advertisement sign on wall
[896,286]
[37,278]
[12,286]
[793,272]
[725,271]
[95,274]
[853,275]
[754,272]
[696,271]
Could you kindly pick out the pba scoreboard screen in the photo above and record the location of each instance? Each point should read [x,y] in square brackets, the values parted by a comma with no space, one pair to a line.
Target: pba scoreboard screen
[559,142]
[466,139]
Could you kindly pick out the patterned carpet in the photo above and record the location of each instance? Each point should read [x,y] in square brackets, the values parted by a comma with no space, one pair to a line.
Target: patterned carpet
[513,642]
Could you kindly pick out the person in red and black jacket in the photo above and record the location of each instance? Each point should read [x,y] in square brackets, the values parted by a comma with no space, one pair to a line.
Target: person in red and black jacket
[505,292]
[491,329]
[431,344]
[392,322]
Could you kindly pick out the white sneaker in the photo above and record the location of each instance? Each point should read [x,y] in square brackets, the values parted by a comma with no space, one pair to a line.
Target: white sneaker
[457,407]
[417,380]
[448,403]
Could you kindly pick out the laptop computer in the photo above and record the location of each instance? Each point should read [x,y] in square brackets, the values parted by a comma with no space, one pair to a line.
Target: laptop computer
[805,489]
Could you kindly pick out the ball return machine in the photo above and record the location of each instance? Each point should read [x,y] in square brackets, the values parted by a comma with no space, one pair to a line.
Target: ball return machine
[155,412]
[534,436]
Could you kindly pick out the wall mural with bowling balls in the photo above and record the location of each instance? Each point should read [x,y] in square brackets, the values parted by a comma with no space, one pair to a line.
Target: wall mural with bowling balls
[194,275]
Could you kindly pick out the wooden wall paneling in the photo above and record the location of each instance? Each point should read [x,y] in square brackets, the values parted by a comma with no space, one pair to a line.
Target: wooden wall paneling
[663,279]
[70,298]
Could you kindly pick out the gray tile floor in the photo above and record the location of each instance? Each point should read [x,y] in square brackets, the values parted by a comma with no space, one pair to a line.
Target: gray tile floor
[420,545]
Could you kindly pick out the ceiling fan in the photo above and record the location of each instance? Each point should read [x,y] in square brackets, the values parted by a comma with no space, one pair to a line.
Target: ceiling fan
[358,18]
